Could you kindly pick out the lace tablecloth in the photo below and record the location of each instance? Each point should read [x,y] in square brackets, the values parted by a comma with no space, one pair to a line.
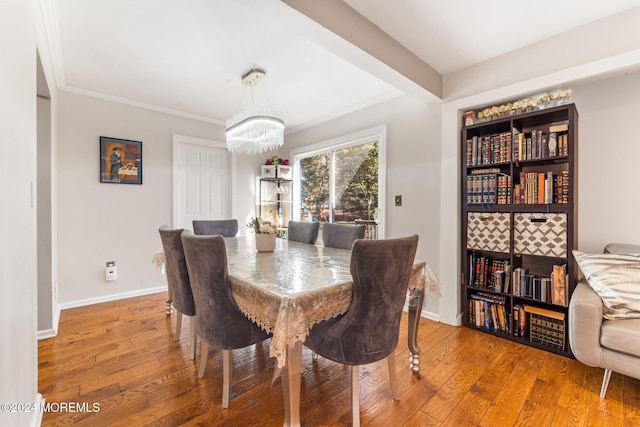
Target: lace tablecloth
[289,290]
[298,285]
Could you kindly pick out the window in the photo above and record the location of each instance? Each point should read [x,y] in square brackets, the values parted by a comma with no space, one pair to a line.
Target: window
[341,180]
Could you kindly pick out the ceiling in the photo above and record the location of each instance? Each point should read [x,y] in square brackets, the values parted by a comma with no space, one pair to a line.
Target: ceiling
[187,57]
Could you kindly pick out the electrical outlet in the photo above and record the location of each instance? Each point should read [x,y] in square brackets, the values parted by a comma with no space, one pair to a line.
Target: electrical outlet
[111,272]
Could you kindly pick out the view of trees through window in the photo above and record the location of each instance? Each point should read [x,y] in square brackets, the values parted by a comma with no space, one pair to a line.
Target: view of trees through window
[355,184]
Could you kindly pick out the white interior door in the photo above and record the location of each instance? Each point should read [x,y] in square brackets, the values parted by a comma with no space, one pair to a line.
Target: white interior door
[201,181]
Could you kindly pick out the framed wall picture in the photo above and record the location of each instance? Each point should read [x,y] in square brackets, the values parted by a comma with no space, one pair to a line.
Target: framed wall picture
[120,161]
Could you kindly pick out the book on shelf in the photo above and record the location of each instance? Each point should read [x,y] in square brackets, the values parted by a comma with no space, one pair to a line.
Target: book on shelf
[488,186]
[537,144]
[559,127]
[520,319]
[560,279]
[541,188]
[488,273]
[551,289]
[488,311]
[553,144]
[543,312]
[564,144]
[488,149]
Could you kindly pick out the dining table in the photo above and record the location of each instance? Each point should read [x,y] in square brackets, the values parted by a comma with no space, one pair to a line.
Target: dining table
[288,291]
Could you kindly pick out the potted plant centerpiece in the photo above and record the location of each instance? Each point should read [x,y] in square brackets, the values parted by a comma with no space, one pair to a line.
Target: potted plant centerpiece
[265,235]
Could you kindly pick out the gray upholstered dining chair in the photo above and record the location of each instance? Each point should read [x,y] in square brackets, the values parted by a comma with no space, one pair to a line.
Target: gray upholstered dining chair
[219,322]
[369,330]
[178,282]
[222,227]
[303,232]
[341,235]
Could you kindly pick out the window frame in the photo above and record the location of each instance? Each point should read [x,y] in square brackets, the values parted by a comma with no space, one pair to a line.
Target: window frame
[376,134]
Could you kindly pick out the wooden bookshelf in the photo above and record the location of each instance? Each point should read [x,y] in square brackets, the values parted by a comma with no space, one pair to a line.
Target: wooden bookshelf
[519,225]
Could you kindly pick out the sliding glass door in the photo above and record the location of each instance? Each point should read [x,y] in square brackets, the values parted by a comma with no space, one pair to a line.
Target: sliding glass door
[340,182]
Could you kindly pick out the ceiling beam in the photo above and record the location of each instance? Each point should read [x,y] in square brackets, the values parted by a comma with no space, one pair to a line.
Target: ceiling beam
[344,21]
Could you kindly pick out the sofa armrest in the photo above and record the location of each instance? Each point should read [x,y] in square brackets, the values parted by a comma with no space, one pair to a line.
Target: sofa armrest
[585,322]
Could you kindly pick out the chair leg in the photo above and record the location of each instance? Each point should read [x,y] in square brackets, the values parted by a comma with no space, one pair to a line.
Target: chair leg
[178,325]
[314,356]
[393,376]
[227,367]
[193,337]
[204,355]
[355,395]
[605,383]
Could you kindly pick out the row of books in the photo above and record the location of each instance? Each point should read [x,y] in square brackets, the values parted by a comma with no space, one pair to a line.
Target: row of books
[543,326]
[537,145]
[488,150]
[530,145]
[542,188]
[489,312]
[489,273]
[488,187]
[551,289]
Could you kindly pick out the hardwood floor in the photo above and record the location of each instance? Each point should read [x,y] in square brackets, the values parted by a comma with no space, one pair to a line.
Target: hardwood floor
[121,356]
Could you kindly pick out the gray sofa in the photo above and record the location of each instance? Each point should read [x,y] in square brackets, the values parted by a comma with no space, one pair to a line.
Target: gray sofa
[613,345]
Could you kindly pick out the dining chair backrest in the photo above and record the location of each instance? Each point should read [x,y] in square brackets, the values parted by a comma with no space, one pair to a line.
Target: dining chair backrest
[176,270]
[303,232]
[341,235]
[222,227]
[219,321]
[369,330]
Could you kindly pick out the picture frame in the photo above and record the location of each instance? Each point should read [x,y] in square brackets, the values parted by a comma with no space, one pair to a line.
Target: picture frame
[268,171]
[284,172]
[120,161]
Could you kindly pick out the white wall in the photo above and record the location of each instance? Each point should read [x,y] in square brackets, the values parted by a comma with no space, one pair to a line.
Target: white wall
[608,155]
[100,222]
[413,168]
[18,280]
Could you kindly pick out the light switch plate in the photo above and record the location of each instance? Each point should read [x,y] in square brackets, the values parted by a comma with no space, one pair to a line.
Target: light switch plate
[398,200]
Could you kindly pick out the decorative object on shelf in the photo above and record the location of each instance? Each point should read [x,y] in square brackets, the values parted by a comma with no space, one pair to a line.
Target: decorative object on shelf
[278,166]
[283,172]
[265,235]
[258,128]
[268,171]
[120,161]
[534,103]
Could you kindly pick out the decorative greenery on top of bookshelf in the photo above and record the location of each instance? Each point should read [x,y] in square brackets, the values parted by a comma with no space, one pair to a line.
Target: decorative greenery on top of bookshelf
[538,102]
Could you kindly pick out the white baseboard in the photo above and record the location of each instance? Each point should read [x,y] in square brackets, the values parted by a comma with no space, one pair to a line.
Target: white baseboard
[112,297]
[36,416]
[50,333]
[47,333]
[430,315]
[426,314]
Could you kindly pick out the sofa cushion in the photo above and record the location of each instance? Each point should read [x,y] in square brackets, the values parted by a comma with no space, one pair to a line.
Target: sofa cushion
[621,335]
[622,249]
[616,279]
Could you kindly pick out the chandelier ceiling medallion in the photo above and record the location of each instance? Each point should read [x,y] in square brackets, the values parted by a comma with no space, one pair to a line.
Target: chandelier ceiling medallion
[257,128]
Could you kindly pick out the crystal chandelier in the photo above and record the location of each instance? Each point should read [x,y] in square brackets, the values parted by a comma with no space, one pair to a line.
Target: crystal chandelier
[257,128]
